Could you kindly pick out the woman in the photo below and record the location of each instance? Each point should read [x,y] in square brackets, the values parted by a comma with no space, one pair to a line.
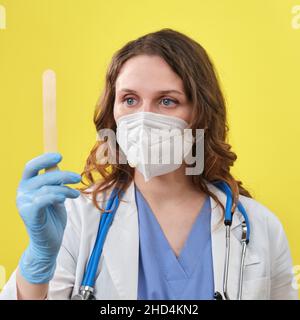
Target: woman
[167,239]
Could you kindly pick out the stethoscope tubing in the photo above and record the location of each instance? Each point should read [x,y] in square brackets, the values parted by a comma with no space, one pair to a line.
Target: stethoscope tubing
[228,208]
[105,222]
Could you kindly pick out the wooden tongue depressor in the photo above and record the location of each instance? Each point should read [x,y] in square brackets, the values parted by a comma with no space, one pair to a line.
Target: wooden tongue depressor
[49,113]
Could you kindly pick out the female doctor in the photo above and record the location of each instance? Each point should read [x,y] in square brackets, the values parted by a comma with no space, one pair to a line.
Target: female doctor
[167,238]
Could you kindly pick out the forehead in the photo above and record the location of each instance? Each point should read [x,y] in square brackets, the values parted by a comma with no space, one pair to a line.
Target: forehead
[148,73]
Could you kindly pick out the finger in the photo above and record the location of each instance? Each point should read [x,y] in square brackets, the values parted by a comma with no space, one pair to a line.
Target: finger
[63,190]
[48,199]
[46,160]
[56,177]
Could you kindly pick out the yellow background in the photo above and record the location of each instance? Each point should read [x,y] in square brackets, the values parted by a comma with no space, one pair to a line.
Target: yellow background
[252,43]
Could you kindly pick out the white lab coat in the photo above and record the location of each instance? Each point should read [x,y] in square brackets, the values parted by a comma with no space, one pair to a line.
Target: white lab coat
[268,264]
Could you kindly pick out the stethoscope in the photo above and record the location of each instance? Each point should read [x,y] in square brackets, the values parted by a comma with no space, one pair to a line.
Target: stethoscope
[86,291]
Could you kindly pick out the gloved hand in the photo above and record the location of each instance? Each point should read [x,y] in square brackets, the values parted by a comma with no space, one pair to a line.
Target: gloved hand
[40,202]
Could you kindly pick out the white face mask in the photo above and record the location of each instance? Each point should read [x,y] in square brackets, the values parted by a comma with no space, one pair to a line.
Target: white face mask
[153,143]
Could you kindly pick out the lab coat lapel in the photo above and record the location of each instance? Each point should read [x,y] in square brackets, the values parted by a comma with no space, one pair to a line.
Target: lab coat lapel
[121,248]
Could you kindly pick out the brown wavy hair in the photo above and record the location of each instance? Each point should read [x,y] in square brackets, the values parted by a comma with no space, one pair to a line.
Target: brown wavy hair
[189,60]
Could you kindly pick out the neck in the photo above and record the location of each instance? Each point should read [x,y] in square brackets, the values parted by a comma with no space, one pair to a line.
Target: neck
[173,185]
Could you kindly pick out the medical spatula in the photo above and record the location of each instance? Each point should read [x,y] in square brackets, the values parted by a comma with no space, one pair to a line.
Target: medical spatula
[49,114]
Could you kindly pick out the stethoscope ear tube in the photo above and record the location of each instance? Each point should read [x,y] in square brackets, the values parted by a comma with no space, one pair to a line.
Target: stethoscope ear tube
[244,247]
[245,239]
[226,264]
[247,222]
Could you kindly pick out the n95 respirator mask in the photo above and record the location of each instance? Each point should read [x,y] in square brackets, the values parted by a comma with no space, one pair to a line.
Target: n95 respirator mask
[153,143]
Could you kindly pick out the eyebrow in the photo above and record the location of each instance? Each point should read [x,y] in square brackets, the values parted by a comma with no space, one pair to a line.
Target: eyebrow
[160,92]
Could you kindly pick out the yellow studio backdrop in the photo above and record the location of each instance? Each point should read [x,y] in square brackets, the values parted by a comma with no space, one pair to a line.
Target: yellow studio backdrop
[255,46]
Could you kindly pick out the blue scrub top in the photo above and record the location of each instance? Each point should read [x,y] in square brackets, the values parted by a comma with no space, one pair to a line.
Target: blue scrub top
[163,275]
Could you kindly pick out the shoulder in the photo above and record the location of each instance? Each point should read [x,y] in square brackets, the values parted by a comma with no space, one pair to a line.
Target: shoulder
[266,228]
[260,214]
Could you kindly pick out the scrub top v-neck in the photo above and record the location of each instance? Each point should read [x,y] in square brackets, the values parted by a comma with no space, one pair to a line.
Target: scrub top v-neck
[163,275]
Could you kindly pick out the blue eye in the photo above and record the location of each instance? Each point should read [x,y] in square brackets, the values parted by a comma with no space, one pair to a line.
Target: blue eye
[168,99]
[126,99]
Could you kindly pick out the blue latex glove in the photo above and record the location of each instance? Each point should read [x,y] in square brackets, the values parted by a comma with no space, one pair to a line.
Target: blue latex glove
[40,202]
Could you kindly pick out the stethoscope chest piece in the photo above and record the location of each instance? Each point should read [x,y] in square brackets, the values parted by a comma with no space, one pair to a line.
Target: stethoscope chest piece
[85,293]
